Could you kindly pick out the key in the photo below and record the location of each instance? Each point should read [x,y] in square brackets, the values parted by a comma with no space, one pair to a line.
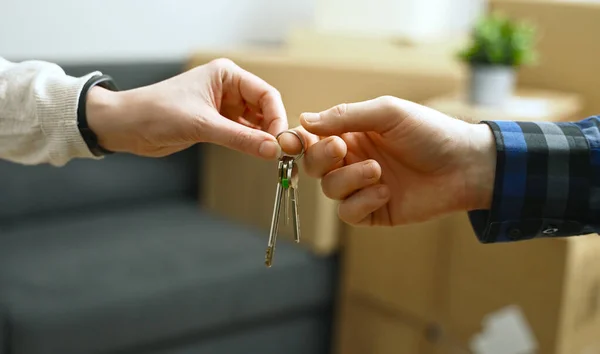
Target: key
[286,195]
[275,218]
[296,216]
[286,192]
[288,169]
[284,174]
[291,196]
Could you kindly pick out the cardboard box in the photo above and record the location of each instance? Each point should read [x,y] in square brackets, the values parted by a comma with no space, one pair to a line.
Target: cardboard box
[400,266]
[567,51]
[554,282]
[365,327]
[369,326]
[439,273]
[390,292]
[436,58]
[307,83]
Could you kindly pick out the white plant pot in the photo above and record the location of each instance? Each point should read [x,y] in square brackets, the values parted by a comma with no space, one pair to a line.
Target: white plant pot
[491,86]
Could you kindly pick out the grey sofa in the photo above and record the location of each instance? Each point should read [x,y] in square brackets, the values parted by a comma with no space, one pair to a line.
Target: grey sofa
[117,256]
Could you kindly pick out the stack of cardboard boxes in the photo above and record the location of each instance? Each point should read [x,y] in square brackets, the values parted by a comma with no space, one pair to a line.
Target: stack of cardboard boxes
[430,288]
[554,282]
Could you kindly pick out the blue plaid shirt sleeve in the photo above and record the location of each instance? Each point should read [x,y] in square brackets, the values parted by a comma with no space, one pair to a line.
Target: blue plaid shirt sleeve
[547,181]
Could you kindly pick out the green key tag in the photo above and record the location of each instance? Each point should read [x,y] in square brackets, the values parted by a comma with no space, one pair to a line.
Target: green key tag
[285,183]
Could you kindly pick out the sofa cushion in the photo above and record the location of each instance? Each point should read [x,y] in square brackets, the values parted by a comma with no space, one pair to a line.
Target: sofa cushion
[29,190]
[305,333]
[124,277]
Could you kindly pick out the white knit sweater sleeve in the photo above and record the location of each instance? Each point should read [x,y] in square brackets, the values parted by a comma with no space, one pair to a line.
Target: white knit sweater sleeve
[38,114]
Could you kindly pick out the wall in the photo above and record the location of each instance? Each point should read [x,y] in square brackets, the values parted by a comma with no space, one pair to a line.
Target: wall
[108,30]
[409,19]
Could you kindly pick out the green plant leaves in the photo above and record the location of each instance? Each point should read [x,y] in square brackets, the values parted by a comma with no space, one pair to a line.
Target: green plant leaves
[498,40]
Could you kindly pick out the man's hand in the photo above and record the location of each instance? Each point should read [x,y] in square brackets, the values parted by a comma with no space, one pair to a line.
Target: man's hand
[393,162]
[218,103]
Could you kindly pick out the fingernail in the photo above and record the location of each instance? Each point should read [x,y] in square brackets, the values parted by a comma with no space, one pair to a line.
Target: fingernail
[311,117]
[369,170]
[383,191]
[331,149]
[269,149]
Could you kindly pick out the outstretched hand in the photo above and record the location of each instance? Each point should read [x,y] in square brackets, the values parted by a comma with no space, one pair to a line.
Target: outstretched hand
[218,103]
[391,162]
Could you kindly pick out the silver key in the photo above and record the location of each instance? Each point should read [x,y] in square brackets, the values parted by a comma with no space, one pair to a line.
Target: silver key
[275,219]
[284,173]
[286,192]
[288,176]
[296,215]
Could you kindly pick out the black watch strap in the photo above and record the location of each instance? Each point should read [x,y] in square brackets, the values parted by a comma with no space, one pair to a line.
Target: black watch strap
[87,134]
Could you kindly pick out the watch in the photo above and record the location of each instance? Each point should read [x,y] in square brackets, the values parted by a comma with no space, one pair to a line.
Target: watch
[90,138]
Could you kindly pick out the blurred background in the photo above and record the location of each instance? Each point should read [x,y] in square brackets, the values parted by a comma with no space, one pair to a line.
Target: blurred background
[134,255]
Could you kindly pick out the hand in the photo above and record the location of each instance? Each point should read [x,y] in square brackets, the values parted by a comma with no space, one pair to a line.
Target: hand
[218,103]
[393,162]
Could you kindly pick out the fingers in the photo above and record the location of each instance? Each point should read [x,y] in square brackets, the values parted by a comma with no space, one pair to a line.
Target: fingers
[358,208]
[341,183]
[325,156]
[259,93]
[290,144]
[321,155]
[378,115]
[245,139]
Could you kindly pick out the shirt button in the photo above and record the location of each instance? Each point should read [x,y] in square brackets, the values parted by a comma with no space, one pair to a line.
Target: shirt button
[550,230]
[514,234]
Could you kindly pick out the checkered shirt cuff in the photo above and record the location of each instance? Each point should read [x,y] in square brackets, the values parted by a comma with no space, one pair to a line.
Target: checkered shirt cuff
[547,181]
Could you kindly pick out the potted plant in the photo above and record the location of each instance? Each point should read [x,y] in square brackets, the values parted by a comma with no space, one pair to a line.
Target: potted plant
[499,47]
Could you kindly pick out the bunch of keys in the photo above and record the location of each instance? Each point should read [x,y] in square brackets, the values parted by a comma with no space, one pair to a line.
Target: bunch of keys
[286,193]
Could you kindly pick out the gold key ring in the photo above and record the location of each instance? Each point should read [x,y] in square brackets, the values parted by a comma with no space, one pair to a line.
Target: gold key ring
[293,132]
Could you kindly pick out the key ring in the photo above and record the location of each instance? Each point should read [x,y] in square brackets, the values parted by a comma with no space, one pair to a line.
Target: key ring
[296,157]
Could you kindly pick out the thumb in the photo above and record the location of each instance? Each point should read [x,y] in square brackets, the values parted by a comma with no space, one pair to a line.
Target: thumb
[244,139]
[378,115]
